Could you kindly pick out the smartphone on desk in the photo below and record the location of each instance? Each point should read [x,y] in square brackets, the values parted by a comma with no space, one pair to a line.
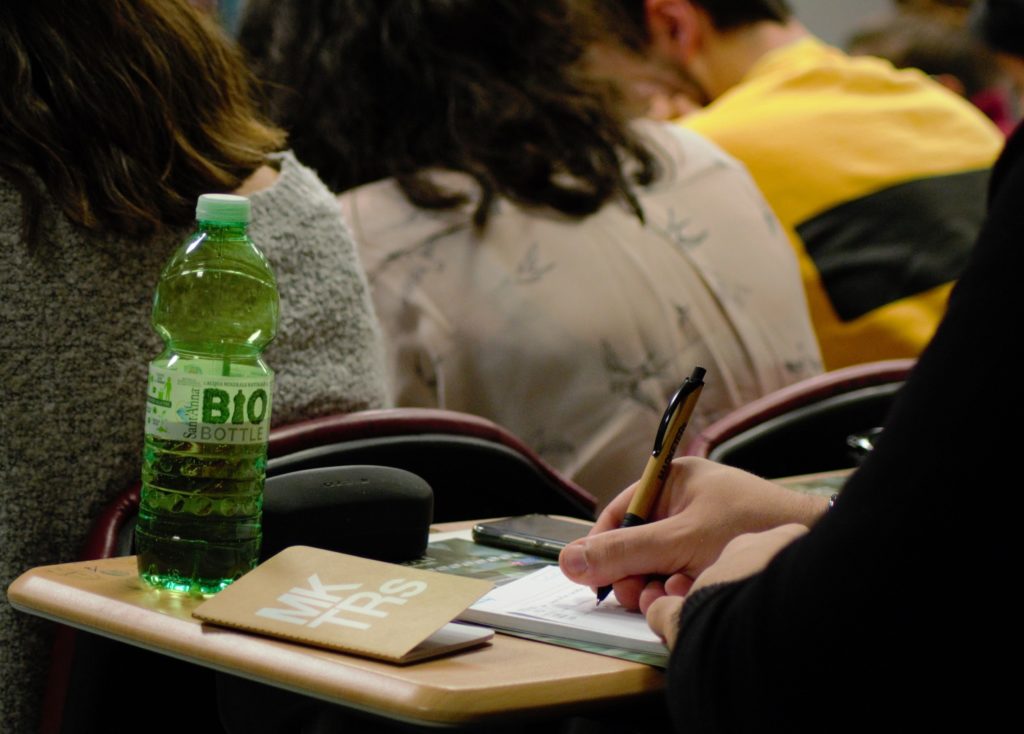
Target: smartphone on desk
[539,535]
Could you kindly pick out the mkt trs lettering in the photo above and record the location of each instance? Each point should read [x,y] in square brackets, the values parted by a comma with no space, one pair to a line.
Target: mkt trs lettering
[323,604]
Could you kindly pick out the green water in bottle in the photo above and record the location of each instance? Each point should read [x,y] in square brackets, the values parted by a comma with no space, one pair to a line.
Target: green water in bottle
[208,406]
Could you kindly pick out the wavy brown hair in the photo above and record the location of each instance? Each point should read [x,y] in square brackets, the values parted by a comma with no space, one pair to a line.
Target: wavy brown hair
[123,111]
[373,89]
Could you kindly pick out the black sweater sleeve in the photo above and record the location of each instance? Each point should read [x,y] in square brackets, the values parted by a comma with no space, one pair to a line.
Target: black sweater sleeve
[860,623]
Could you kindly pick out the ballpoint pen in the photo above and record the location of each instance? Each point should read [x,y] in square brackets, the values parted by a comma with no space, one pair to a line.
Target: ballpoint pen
[670,432]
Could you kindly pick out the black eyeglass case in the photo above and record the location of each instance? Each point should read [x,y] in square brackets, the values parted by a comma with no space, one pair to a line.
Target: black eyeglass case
[377,512]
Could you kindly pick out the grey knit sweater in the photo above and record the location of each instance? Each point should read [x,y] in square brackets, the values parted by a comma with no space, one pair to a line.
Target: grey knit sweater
[75,343]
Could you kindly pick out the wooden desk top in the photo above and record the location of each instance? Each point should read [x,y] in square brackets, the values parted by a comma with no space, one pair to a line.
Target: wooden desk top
[511,677]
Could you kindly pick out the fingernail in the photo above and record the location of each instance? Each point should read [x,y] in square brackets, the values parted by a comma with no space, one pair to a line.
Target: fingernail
[574,559]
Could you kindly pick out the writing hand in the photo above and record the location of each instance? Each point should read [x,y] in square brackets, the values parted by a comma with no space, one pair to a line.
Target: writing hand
[743,556]
[702,507]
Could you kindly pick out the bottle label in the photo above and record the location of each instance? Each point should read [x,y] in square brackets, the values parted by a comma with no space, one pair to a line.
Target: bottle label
[207,409]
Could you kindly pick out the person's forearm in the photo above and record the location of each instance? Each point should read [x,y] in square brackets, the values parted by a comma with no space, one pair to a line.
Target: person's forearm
[780,506]
[803,508]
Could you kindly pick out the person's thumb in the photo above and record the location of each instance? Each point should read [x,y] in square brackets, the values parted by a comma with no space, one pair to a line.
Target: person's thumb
[601,559]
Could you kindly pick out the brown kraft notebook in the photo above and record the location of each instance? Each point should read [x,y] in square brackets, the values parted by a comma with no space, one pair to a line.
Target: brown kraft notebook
[351,604]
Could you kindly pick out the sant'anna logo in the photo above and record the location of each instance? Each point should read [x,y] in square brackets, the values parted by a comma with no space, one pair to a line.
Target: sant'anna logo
[345,605]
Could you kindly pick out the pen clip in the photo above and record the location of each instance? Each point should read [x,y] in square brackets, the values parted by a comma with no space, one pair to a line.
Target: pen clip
[690,384]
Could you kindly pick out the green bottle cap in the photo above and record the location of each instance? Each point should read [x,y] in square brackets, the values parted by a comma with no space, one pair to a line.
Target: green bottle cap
[226,208]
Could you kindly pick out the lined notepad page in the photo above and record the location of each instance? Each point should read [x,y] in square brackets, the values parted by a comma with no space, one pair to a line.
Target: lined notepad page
[548,595]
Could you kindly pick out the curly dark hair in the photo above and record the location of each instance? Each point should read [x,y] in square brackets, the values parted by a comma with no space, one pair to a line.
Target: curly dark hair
[373,89]
[123,112]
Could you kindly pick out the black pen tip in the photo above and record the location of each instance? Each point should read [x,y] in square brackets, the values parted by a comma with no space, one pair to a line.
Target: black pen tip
[603,593]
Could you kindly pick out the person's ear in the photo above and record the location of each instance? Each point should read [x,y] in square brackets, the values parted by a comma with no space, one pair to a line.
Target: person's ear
[673,27]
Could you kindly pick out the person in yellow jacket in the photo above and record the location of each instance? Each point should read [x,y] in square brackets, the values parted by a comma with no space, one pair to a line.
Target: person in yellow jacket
[878,175]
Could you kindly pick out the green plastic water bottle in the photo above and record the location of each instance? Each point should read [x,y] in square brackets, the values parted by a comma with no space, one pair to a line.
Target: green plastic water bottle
[208,406]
